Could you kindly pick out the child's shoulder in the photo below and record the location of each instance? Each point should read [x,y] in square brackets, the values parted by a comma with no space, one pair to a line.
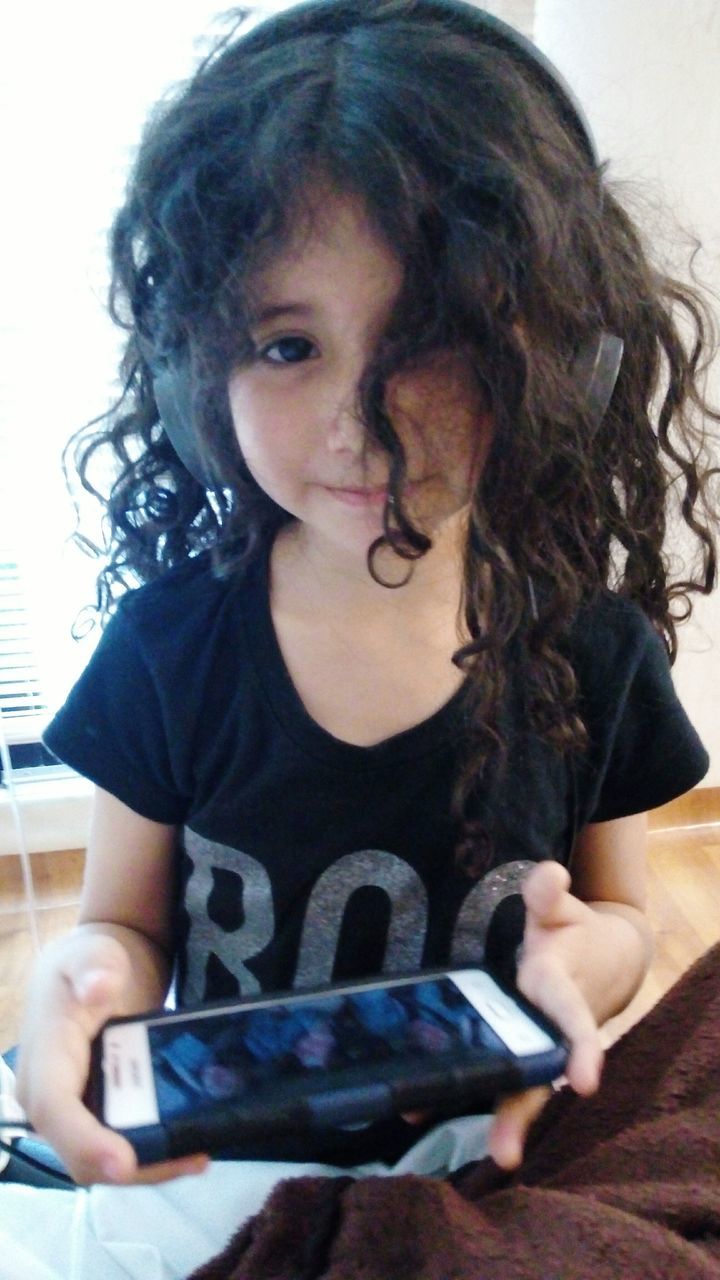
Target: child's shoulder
[184,599]
[609,616]
[612,638]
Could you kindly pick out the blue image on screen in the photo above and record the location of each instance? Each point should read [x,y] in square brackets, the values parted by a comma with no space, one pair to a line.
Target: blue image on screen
[234,1056]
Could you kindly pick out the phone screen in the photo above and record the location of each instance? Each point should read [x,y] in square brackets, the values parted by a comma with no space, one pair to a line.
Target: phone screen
[229,1055]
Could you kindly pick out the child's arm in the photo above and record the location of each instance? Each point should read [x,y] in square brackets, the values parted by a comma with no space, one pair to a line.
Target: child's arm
[117,961]
[585,953]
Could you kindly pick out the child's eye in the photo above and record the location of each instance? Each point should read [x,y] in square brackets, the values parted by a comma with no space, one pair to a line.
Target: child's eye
[291,350]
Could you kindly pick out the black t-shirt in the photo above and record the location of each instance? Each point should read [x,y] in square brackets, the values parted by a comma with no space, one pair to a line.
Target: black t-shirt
[306,859]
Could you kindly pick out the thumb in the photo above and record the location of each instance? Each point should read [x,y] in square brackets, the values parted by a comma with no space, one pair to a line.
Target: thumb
[96,974]
[547,897]
[511,1122]
[98,986]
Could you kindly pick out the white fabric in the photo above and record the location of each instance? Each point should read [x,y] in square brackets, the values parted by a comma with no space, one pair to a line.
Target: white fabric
[165,1232]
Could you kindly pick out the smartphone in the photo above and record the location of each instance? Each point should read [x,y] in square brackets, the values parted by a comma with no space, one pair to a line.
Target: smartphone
[247,1074]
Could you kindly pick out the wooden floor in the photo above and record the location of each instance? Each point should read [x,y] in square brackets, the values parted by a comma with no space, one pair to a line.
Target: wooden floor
[684,910]
[684,907]
[56,878]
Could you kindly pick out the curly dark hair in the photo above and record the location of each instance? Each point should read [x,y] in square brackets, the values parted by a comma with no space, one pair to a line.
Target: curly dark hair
[514,249]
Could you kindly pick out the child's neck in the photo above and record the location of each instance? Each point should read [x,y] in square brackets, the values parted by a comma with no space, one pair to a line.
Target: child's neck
[367,662]
[329,580]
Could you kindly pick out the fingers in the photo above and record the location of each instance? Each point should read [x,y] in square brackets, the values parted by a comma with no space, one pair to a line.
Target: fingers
[90,1152]
[546,970]
[562,1002]
[75,989]
[80,983]
[83,979]
[511,1123]
[547,984]
[77,985]
[555,948]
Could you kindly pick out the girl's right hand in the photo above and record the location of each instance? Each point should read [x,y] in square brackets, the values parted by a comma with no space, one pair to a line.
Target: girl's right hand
[80,981]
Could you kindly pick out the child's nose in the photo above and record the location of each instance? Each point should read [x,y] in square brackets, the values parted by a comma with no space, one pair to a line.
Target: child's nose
[345,428]
[344,424]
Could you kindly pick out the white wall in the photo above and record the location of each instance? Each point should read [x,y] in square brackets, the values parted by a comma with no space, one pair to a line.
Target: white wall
[647,76]
[74,90]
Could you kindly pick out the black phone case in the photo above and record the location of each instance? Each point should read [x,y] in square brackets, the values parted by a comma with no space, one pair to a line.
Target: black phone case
[296,1121]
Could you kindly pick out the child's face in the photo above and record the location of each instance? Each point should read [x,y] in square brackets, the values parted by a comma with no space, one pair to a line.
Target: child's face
[320,308]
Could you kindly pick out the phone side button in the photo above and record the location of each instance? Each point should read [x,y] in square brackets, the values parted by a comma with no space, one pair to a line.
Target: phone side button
[366,1102]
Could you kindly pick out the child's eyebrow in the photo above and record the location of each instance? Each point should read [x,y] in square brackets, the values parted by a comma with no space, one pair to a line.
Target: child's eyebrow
[263,314]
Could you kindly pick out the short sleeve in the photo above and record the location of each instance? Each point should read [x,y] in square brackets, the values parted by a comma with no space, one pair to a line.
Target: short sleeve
[113,728]
[643,749]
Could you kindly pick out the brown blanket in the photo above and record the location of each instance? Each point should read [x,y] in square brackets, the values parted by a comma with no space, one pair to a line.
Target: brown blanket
[619,1187]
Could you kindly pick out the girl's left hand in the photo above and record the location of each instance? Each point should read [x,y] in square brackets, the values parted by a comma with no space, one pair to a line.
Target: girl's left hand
[559,930]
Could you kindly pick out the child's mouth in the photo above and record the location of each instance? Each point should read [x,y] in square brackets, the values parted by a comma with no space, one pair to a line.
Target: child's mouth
[359,497]
[369,495]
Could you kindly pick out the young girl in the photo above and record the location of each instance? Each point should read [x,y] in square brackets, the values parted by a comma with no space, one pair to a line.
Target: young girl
[395,689]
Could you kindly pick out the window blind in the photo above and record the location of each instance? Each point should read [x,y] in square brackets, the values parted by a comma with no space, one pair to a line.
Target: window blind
[21,698]
[22,704]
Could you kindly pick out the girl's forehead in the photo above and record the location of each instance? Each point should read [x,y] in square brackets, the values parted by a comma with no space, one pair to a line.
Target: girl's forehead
[332,235]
